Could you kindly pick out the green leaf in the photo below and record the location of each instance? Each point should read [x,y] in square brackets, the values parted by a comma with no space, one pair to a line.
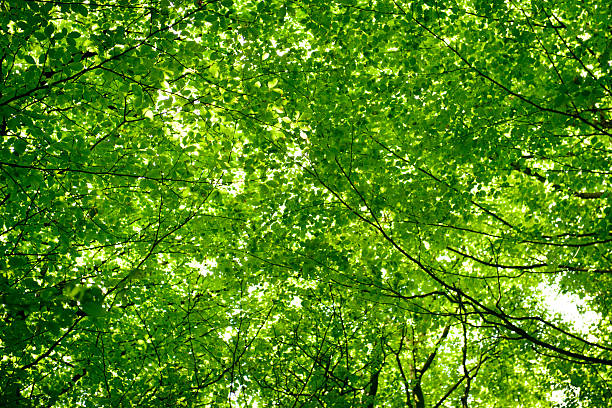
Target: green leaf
[49,30]
[19,146]
[92,308]
[80,8]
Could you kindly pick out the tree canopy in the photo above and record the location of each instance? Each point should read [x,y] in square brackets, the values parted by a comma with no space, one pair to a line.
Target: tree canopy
[348,203]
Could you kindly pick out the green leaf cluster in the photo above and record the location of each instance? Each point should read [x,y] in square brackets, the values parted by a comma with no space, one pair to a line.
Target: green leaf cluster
[308,203]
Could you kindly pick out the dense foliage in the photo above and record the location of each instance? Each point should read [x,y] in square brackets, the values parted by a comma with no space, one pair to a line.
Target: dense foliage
[304,204]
